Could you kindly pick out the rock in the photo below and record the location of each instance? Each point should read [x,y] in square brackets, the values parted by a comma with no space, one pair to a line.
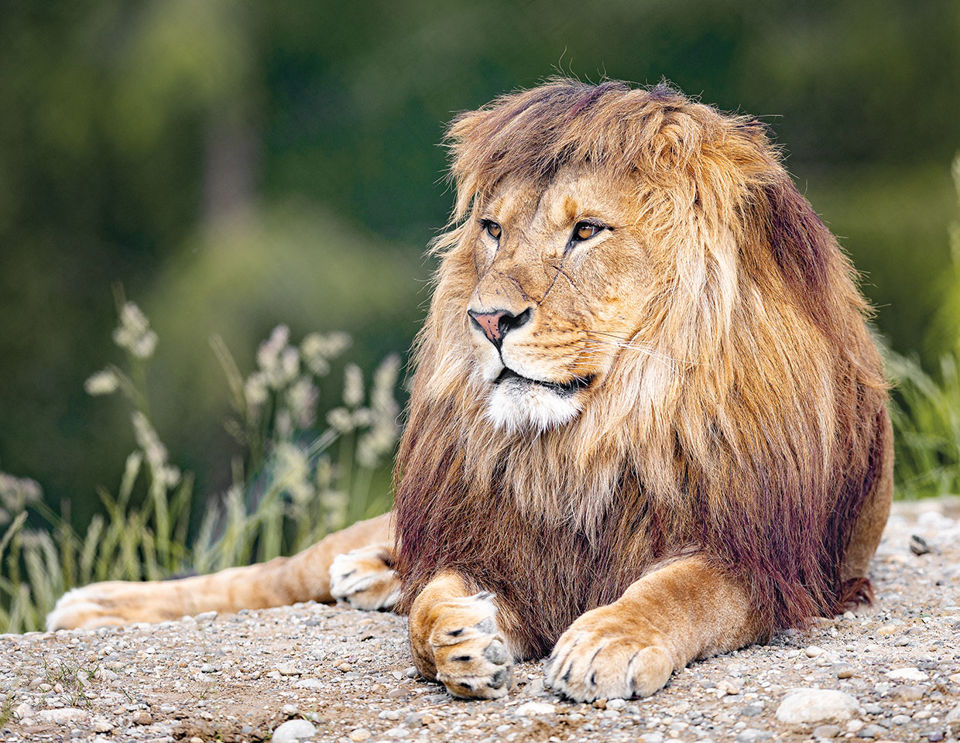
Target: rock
[871,731]
[909,693]
[62,715]
[142,717]
[826,731]
[207,616]
[873,709]
[208,668]
[23,711]
[918,545]
[907,674]
[616,704]
[309,684]
[751,736]
[397,733]
[288,669]
[813,651]
[730,686]
[816,705]
[293,730]
[532,709]
[855,726]
[101,725]
[652,738]
[752,710]
[360,734]
[845,671]
[289,710]
[900,719]
[953,720]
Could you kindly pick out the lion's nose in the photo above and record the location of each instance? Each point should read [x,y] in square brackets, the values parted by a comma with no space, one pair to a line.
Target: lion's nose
[496,324]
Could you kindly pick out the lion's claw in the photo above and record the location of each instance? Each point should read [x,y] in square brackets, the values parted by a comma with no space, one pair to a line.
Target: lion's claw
[596,658]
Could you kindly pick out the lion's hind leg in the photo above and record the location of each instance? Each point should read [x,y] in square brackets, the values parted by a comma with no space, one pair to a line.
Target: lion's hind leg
[284,580]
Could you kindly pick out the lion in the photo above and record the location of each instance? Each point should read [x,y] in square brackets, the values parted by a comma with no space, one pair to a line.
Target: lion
[647,424]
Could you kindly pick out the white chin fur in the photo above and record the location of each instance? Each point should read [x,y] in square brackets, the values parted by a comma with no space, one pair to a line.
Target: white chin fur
[514,405]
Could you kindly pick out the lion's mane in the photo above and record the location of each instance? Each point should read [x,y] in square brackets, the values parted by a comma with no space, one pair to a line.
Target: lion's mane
[753,434]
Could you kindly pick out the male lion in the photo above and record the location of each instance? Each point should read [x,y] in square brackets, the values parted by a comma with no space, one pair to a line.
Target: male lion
[647,423]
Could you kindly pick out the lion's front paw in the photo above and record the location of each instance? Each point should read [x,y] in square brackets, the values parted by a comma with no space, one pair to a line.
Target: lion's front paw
[365,579]
[469,652]
[599,657]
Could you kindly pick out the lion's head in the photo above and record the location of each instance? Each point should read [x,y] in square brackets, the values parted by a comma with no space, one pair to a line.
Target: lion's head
[641,334]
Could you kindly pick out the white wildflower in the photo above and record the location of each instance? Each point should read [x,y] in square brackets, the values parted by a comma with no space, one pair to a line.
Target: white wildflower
[323,475]
[134,333]
[362,417]
[256,390]
[289,366]
[278,361]
[292,472]
[270,349]
[384,382]
[335,504]
[340,419]
[283,424]
[377,443]
[352,386]
[169,475]
[16,493]
[318,350]
[149,443]
[302,402]
[103,382]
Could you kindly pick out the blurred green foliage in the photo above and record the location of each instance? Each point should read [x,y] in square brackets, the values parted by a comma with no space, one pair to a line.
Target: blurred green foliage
[238,164]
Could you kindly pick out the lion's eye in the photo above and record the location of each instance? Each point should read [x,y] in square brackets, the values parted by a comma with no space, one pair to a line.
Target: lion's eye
[491,228]
[585,230]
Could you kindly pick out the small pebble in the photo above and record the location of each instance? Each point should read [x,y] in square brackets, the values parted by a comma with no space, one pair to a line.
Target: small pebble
[909,693]
[900,719]
[293,730]
[397,733]
[845,671]
[532,709]
[359,734]
[207,616]
[826,731]
[907,674]
[142,717]
[289,710]
[872,731]
[813,651]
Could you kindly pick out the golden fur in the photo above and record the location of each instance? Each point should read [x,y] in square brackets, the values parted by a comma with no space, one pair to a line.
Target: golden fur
[662,440]
[735,405]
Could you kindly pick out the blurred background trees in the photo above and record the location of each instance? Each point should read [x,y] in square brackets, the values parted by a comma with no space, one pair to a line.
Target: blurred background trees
[237,164]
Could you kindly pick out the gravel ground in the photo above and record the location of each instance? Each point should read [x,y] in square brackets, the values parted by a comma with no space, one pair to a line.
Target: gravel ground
[342,675]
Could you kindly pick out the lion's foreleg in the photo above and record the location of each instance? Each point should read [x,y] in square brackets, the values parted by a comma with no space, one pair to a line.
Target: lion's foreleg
[305,576]
[455,639]
[685,610]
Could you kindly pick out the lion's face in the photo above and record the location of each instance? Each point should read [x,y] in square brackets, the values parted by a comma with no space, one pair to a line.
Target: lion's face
[562,272]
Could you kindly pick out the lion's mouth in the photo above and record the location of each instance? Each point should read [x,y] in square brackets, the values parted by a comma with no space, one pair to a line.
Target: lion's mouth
[568,388]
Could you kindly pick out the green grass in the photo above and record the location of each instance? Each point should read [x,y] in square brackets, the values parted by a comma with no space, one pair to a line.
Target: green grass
[298,474]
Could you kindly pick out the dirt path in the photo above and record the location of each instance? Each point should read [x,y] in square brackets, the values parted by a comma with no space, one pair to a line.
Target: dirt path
[238,677]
